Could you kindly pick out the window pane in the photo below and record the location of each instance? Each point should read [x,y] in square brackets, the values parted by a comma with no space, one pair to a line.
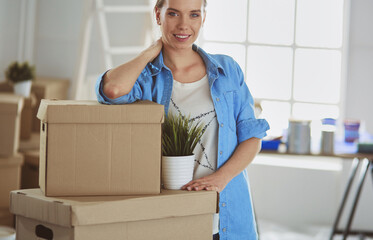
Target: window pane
[317,75]
[226,21]
[319,23]
[269,71]
[277,114]
[237,51]
[271,21]
[314,111]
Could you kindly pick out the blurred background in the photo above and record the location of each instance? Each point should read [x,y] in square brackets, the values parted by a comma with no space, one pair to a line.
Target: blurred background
[303,59]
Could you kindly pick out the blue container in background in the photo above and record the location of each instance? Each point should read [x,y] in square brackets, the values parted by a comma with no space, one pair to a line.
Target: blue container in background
[351,130]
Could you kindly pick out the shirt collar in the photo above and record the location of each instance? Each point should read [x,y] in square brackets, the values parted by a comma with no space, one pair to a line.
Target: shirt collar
[212,66]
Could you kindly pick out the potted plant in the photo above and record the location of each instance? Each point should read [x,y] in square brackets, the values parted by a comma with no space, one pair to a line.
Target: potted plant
[179,138]
[21,76]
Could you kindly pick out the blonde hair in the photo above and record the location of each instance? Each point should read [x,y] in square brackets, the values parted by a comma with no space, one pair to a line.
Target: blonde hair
[159,4]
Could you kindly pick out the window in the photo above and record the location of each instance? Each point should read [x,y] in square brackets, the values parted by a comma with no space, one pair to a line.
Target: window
[291,52]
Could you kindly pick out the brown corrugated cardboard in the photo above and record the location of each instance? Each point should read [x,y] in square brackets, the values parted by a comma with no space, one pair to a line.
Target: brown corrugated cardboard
[87,148]
[10,177]
[6,87]
[48,88]
[30,170]
[27,117]
[27,111]
[10,112]
[171,215]
[6,218]
[32,144]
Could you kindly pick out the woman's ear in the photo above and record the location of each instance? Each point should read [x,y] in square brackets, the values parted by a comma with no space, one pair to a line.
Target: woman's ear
[158,15]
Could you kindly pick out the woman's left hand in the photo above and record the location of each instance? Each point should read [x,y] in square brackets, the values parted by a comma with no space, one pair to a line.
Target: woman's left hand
[213,182]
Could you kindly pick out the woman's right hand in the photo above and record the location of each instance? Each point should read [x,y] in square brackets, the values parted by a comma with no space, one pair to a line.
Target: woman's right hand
[153,50]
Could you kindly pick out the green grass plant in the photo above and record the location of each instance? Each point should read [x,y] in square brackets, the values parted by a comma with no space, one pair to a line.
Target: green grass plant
[180,136]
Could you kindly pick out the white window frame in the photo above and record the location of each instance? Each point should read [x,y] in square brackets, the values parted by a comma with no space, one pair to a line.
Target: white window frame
[343,50]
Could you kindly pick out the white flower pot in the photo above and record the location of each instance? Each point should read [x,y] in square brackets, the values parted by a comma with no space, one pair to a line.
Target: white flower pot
[177,171]
[23,88]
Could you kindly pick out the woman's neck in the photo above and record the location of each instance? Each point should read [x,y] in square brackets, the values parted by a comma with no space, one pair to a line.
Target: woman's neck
[178,58]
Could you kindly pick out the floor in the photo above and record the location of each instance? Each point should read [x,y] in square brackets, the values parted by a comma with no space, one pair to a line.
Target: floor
[273,231]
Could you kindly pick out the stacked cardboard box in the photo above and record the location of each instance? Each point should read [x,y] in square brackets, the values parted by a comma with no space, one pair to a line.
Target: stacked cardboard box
[42,88]
[10,160]
[171,215]
[89,149]
[10,114]
[47,88]
[29,105]
[30,170]
[29,145]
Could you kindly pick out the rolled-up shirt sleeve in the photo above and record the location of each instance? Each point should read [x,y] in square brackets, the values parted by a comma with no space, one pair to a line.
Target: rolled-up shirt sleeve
[247,125]
[132,96]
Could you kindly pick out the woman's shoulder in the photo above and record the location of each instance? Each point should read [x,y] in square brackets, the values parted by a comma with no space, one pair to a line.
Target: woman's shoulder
[222,58]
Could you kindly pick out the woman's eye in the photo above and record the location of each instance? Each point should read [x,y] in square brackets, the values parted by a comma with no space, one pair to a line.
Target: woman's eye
[172,14]
[195,15]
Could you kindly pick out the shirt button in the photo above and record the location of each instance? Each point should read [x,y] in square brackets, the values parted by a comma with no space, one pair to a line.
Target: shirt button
[223,204]
[224,229]
[222,125]
[217,99]
[221,152]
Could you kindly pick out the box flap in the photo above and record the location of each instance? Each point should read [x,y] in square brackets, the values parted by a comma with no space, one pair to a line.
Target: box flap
[74,211]
[10,103]
[69,111]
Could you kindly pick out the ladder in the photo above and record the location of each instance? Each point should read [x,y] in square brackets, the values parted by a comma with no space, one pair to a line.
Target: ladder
[97,9]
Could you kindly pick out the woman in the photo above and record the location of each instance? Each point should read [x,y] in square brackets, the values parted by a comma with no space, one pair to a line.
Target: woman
[185,79]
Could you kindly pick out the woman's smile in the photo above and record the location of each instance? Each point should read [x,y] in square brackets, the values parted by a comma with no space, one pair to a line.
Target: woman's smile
[182,37]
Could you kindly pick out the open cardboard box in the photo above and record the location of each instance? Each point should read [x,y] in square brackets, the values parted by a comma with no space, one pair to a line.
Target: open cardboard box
[87,148]
[174,215]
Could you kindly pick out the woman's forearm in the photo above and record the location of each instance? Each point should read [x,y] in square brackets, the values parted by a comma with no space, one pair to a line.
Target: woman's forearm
[120,80]
[241,158]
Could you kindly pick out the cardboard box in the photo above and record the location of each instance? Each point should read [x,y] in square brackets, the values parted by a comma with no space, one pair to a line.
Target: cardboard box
[171,215]
[27,111]
[10,113]
[6,87]
[6,218]
[30,170]
[10,177]
[32,144]
[27,117]
[48,88]
[87,148]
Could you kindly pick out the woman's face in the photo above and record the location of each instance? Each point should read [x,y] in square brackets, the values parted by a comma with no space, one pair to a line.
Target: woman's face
[180,22]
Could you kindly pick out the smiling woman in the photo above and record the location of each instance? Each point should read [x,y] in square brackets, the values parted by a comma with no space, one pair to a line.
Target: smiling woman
[209,88]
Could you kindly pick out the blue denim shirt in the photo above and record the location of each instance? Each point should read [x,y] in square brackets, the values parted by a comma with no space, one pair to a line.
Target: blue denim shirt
[235,115]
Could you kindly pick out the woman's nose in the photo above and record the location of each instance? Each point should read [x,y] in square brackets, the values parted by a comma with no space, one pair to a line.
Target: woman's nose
[183,23]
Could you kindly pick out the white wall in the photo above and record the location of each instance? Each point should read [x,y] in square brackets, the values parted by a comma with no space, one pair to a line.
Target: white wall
[303,196]
[9,23]
[359,97]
